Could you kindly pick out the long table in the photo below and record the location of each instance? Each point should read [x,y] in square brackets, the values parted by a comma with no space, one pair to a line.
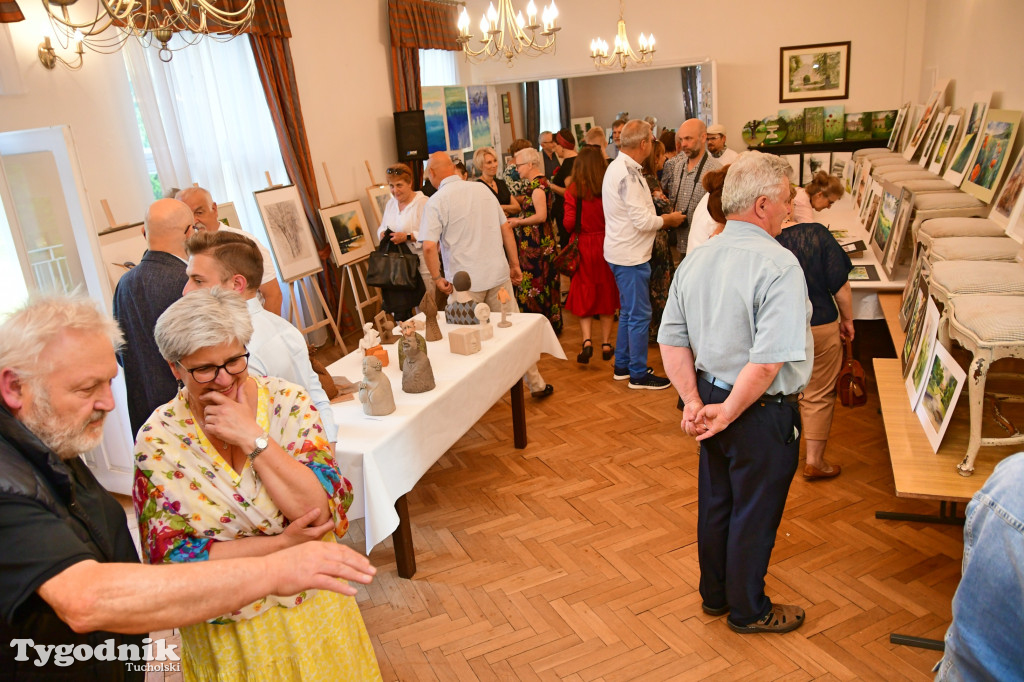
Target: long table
[385,456]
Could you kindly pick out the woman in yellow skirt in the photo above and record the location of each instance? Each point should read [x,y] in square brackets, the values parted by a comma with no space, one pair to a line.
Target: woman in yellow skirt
[237,465]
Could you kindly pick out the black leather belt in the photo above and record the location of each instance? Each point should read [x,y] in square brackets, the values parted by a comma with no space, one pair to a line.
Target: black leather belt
[777,398]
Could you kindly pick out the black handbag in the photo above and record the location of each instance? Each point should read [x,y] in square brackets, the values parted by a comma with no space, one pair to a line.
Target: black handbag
[393,266]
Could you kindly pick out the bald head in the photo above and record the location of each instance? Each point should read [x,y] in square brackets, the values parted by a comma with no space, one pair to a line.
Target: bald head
[692,137]
[204,210]
[439,167]
[167,224]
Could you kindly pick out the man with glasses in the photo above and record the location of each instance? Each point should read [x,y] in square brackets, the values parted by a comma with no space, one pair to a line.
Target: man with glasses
[737,344]
[142,295]
[717,147]
[233,262]
[204,208]
[630,227]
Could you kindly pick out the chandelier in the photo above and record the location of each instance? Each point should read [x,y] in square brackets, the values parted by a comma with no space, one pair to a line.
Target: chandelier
[623,54]
[145,20]
[503,32]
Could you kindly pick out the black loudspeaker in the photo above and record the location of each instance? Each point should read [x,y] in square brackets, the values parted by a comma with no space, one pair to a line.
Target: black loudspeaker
[411,135]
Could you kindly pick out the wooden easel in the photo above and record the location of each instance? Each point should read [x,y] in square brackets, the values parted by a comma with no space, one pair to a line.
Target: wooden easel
[353,274]
[294,317]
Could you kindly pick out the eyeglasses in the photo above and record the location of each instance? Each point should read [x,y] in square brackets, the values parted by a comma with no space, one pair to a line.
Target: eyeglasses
[207,373]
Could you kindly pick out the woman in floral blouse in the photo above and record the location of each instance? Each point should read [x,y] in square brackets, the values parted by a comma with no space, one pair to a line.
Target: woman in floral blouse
[238,465]
[537,240]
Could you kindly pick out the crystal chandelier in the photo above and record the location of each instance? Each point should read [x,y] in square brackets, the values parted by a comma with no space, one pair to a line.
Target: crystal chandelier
[503,32]
[623,54]
[147,21]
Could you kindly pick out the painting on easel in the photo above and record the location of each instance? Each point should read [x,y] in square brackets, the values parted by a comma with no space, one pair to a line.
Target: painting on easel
[291,239]
[347,231]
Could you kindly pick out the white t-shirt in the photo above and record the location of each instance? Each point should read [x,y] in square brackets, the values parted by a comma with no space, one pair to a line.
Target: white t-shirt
[803,212]
[406,220]
[701,225]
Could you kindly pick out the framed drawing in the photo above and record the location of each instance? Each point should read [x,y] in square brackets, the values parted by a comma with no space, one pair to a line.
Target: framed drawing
[814,162]
[291,239]
[1007,206]
[967,147]
[931,108]
[814,72]
[885,220]
[580,126]
[227,214]
[347,232]
[984,173]
[122,249]
[933,136]
[946,141]
[943,383]
[506,107]
[379,196]
[898,238]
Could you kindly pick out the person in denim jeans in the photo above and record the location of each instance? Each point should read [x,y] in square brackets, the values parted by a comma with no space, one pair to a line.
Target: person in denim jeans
[986,638]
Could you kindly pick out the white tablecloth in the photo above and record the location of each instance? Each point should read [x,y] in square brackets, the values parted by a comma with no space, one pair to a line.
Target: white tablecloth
[384,457]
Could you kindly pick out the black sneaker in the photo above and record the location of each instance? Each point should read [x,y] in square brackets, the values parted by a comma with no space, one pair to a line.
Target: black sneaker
[621,374]
[650,381]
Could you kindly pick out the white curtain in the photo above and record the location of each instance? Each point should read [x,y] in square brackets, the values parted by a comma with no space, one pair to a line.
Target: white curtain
[208,123]
[550,112]
[438,67]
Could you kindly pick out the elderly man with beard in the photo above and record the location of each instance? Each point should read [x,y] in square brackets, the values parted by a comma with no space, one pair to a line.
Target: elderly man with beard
[683,175]
[69,572]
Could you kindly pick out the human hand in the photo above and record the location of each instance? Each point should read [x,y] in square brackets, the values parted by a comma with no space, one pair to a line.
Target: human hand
[515,274]
[399,237]
[444,285]
[691,408]
[318,565]
[231,418]
[846,329]
[674,219]
[300,530]
[712,419]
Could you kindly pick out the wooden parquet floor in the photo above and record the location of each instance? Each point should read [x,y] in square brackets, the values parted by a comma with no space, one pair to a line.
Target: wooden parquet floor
[575,558]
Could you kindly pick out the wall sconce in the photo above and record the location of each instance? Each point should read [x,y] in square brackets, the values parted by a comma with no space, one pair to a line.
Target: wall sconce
[48,56]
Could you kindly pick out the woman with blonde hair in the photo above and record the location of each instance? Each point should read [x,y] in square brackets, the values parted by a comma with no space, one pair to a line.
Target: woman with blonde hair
[817,195]
[485,160]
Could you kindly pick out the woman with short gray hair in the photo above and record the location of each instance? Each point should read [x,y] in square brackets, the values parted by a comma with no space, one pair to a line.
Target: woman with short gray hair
[238,465]
[537,242]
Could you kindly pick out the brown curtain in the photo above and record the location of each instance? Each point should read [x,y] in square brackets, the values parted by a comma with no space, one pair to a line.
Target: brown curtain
[417,25]
[9,12]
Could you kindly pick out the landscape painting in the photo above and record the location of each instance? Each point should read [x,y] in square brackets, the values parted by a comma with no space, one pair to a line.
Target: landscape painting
[814,72]
[814,124]
[882,123]
[479,116]
[990,162]
[924,351]
[835,123]
[433,113]
[968,143]
[456,110]
[858,127]
[945,381]
[945,143]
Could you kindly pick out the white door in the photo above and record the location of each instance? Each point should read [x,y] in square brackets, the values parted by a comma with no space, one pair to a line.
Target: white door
[49,243]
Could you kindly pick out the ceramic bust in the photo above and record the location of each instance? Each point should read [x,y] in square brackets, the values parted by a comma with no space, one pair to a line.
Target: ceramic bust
[483,314]
[460,304]
[409,333]
[428,306]
[417,375]
[375,389]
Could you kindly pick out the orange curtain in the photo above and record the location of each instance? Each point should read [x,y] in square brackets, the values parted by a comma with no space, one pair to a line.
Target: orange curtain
[417,25]
[9,12]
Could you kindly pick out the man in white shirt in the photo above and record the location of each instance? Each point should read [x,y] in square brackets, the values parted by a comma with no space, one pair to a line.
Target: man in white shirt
[466,219]
[232,261]
[204,208]
[630,227]
[716,145]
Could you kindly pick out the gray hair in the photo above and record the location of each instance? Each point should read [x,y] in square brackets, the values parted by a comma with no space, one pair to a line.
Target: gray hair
[200,319]
[479,154]
[531,156]
[752,175]
[26,332]
[634,133]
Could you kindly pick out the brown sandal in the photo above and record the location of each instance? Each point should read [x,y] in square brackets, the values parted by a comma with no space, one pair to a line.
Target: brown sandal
[781,618]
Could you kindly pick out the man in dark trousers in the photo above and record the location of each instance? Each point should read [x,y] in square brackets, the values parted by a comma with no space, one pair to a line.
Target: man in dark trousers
[142,295]
[737,345]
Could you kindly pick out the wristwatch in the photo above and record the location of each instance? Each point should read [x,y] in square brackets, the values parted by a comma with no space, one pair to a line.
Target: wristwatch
[262,443]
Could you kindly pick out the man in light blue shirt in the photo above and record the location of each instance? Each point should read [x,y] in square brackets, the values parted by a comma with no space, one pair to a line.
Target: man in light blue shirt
[232,261]
[737,345]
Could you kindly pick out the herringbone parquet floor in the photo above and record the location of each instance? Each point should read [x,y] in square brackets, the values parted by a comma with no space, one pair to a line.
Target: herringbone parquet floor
[575,558]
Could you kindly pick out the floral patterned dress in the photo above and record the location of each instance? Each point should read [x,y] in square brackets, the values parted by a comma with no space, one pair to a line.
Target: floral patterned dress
[187,497]
[540,290]
[661,266]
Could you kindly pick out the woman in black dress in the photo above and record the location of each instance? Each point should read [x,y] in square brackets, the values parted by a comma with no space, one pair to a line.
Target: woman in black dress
[486,160]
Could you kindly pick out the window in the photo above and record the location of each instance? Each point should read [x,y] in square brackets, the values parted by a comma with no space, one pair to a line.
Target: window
[550,111]
[438,67]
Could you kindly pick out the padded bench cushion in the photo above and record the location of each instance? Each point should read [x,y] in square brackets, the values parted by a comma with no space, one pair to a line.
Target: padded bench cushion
[892,162]
[874,153]
[960,277]
[937,228]
[927,185]
[993,319]
[944,200]
[973,248]
[895,175]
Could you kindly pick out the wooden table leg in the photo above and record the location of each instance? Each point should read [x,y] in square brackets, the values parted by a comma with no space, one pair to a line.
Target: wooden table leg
[518,415]
[405,553]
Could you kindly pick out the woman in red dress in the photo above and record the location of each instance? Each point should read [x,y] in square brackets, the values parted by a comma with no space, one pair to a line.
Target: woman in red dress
[592,290]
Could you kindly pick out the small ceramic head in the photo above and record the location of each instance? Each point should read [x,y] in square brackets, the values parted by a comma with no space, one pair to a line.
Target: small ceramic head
[461,281]
[482,312]
[409,346]
[408,328]
[372,365]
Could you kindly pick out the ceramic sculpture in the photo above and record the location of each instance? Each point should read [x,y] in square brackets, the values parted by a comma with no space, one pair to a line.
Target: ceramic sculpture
[461,304]
[483,314]
[428,306]
[409,332]
[375,389]
[417,376]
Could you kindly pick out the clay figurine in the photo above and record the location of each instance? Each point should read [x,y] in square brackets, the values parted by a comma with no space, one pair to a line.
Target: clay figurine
[375,389]
[505,301]
[409,332]
[417,376]
[370,338]
[428,306]
[386,327]
[460,304]
[464,340]
[483,313]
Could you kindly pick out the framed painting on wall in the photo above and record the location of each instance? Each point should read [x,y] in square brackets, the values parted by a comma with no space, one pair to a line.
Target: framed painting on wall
[580,126]
[814,72]
[984,173]
[506,107]
[347,232]
[291,238]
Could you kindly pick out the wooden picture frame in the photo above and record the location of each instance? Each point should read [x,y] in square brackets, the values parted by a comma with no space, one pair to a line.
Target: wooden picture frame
[992,154]
[347,232]
[289,232]
[122,249]
[506,107]
[814,72]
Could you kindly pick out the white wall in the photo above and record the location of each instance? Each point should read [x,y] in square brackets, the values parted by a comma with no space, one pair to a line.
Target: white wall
[648,92]
[744,37]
